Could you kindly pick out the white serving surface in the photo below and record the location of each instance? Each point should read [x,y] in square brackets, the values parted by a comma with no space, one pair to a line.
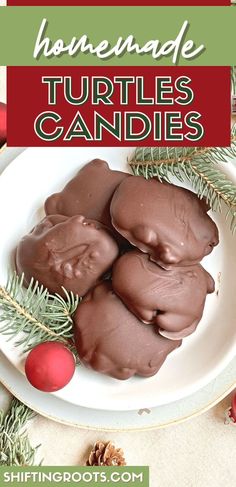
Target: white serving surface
[24,185]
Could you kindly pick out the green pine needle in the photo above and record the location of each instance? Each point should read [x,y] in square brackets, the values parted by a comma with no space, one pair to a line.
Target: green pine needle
[35,315]
[15,448]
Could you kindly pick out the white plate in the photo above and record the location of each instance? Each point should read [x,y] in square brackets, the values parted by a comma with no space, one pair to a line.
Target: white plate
[61,411]
[24,185]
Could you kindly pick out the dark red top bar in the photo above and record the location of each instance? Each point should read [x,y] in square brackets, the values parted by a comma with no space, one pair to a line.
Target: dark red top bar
[164,3]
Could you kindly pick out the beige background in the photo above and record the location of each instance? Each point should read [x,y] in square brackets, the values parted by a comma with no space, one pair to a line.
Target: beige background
[198,453]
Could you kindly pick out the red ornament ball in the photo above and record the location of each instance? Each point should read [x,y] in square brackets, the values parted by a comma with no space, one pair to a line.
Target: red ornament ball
[3,123]
[232,412]
[50,366]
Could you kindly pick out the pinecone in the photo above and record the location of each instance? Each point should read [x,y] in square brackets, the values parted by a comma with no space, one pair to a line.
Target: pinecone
[106,454]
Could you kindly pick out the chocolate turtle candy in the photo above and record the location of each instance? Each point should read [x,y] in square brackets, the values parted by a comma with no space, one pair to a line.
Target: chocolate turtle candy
[168,222]
[172,300]
[70,252]
[111,340]
[89,193]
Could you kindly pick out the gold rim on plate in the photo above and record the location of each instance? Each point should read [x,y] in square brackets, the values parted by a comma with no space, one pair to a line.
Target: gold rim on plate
[198,412]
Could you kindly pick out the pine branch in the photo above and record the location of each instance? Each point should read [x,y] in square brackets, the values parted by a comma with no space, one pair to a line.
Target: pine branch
[35,315]
[195,165]
[176,155]
[15,448]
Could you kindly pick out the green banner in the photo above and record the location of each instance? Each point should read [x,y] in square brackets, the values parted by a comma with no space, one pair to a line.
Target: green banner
[74,476]
[118,36]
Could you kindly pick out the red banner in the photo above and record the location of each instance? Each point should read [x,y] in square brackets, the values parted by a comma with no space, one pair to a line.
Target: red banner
[126,3]
[118,106]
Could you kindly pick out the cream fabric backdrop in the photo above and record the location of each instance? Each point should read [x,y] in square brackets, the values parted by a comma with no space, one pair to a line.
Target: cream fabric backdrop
[198,453]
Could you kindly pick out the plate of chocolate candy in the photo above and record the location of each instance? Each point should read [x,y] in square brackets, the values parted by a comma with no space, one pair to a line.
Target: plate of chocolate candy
[155,268]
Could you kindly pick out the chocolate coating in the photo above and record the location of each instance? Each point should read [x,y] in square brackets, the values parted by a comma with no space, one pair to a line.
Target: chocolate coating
[70,252]
[168,222]
[172,300]
[111,340]
[89,193]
